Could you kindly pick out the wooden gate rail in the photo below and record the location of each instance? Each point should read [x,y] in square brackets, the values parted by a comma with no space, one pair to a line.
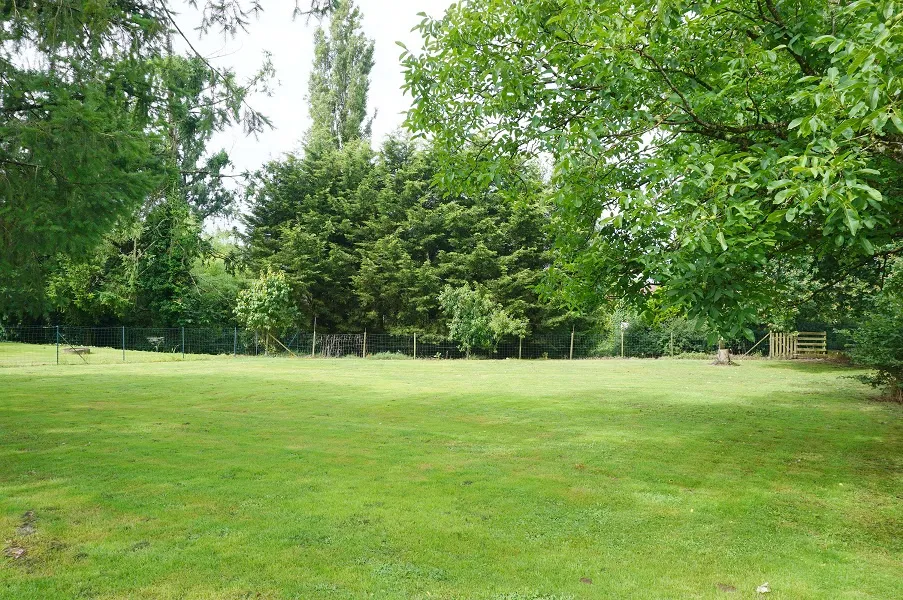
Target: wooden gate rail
[797,344]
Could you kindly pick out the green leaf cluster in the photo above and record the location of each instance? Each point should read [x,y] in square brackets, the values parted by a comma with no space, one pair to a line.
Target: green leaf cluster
[266,305]
[703,148]
[100,121]
[475,320]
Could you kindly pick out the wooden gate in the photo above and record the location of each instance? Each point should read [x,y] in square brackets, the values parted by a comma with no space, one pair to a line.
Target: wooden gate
[811,343]
[798,344]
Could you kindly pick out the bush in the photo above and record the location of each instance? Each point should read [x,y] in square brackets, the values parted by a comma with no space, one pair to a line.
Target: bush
[475,320]
[266,307]
[878,344]
[388,356]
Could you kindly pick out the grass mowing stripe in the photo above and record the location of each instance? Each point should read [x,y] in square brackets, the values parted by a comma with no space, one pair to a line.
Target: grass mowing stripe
[243,478]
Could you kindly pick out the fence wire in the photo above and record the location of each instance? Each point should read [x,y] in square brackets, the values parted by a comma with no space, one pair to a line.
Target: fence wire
[24,345]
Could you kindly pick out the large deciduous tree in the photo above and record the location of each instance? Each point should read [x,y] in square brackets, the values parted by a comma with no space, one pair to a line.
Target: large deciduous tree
[715,153]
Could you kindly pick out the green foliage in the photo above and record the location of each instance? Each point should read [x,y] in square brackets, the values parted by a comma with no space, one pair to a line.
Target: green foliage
[98,119]
[366,241]
[98,289]
[475,320]
[169,245]
[198,101]
[388,356]
[306,220]
[75,158]
[878,338]
[706,147]
[160,271]
[363,238]
[266,306]
[340,80]
[217,282]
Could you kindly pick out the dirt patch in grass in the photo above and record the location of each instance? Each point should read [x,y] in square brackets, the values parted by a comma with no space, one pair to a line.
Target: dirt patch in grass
[27,527]
[15,552]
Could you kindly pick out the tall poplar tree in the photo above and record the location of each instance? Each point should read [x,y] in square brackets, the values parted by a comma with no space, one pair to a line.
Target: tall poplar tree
[340,81]
[306,212]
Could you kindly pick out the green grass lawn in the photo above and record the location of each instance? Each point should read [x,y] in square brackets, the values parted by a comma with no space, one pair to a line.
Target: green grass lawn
[13,354]
[280,478]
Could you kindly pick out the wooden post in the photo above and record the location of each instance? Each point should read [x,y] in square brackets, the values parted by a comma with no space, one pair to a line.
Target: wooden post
[415,346]
[364,351]
[520,347]
[123,343]
[57,344]
[235,343]
[571,355]
[622,341]
[313,345]
[183,342]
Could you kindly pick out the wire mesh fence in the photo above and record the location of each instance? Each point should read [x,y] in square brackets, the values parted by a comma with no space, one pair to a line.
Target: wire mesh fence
[22,345]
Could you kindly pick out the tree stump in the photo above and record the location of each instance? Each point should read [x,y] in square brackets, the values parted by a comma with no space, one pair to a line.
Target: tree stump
[723,357]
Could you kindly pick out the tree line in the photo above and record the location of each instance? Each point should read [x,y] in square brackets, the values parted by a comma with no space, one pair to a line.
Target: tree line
[363,236]
[734,163]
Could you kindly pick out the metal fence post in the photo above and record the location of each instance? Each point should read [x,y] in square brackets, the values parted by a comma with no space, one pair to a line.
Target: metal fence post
[622,341]
[520,347]
[123,343]
[571,355]
[183,342]
[235,343]
[415,345]
[57,344]
[364,351]
[672,344]
[313,344]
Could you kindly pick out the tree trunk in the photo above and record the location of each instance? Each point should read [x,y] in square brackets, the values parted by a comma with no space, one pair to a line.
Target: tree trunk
[724,357]
[724,354]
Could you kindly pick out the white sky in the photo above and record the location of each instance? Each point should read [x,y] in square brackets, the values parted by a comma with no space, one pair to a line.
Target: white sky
[291,44]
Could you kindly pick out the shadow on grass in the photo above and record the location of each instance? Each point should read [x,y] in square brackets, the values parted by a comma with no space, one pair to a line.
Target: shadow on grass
[812,366]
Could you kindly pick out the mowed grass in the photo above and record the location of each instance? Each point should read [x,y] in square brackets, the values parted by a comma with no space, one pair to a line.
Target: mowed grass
[13,354]
[280,478]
